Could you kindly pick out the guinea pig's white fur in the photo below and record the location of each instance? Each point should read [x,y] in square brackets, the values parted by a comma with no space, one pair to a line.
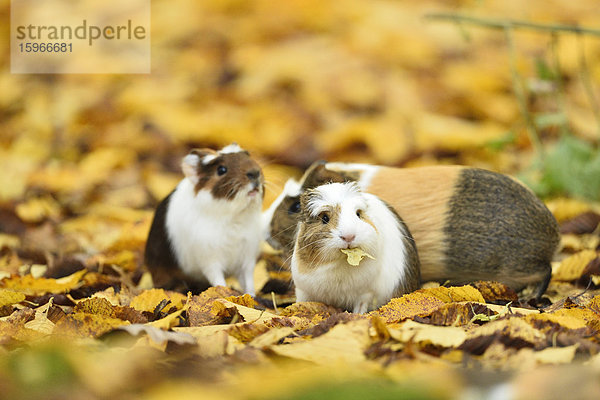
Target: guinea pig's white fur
[378,232]
[215,237]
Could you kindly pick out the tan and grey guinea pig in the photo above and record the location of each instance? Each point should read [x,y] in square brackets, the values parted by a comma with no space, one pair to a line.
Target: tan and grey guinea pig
[469,224]
[336,217]
[208,228]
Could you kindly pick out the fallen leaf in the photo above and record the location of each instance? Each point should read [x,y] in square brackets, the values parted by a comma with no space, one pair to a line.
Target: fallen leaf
[456,293]
[572,267]
[31,286]
[418,303]
[10,297]
[149,299]
[270,337]
[37,209]
[343,343]
[495,291]
[556,355]
[159,336]
[444,336]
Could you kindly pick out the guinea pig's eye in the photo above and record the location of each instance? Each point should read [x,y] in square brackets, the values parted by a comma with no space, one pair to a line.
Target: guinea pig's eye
[359,213]
[294,208]
[221,170]
[324,218]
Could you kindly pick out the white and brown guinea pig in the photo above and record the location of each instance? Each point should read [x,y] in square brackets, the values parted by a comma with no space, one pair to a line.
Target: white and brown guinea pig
[208,228]
[339,216]
[469,224]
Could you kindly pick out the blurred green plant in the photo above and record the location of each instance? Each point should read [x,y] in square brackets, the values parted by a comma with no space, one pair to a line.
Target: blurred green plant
[380,390]
[571,166]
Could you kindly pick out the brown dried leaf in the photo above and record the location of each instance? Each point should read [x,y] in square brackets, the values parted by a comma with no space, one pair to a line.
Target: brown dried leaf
[247,332]
[130,314]
[245,300]
[313,311]
[495,291]
[87,325]
[95,305]
[455,314]
[325,325]
[583,223]
[511,332]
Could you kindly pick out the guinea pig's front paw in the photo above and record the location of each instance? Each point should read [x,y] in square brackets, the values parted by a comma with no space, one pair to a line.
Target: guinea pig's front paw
[362,304]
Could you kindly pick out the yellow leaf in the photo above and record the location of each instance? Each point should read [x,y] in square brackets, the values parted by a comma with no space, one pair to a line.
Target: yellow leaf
[564,209]
[38,209]
[410,305]
[572,267]
[576,243]
[451,133]
[270,337]
[31,286]
[41,323]
[556,355]
[342,343]
[386,141]
[172,319]
[95,305]
[354,256]
[10,297]
[10,241]
[513,327]
[149,299]
[456,293]
[87,325]
[444,336]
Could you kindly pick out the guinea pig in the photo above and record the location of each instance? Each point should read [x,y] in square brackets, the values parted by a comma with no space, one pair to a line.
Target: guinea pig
[209,227]
[469,224]
[336,217]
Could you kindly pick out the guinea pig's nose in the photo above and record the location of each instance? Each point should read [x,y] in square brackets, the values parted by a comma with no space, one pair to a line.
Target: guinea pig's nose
[348,238]
[253,174]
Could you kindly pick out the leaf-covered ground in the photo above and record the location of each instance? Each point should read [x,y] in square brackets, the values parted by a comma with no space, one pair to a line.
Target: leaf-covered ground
[84,160]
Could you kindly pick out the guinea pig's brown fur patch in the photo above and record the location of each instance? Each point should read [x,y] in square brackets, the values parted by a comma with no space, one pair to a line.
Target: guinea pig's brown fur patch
[313,232]
[421,196]
[317,174]
[283,228]
[241,170]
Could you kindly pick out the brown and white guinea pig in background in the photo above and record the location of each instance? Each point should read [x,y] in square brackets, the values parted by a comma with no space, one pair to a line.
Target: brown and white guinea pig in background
[339,216]
[469,224]
[208,228]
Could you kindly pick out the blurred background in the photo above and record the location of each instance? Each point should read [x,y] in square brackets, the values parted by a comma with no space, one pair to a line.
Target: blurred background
[301,80]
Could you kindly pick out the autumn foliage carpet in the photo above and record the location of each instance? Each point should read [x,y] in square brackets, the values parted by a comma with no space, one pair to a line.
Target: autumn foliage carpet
[84,160]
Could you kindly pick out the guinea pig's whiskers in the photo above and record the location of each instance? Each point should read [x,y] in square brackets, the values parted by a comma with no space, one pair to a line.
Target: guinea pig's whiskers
[283,231]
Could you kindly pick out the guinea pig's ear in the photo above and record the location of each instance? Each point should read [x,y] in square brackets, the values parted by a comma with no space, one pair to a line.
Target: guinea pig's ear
[318,174]
[190,163]
[305,199]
